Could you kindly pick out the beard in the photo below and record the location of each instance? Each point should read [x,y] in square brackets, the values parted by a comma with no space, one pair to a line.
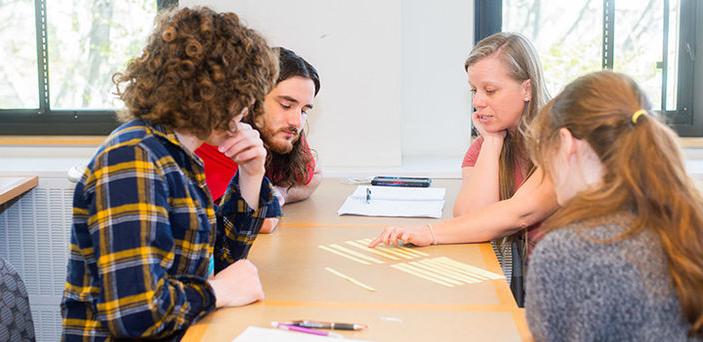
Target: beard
[279,144]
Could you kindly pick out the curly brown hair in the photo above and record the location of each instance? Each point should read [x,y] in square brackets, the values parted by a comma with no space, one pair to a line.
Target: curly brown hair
[198,69]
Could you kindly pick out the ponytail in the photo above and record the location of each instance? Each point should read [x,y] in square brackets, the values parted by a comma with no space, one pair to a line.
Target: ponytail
[643,172]
[666,199]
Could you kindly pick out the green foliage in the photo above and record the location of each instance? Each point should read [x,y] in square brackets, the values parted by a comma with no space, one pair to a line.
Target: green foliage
[568,36]
[88,41]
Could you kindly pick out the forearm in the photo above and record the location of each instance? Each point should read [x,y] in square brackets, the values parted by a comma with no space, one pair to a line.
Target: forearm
[494,221]
[532,203]
[301,192]
[238,225]
[249,187]
[480,184]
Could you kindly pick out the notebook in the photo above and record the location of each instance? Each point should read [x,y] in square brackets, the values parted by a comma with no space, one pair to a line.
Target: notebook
[394,202]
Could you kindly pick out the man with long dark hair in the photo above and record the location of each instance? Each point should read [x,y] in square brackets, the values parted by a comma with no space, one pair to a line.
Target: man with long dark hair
[290,164]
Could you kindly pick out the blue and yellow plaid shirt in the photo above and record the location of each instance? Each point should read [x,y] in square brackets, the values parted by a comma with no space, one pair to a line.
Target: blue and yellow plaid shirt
[144,230]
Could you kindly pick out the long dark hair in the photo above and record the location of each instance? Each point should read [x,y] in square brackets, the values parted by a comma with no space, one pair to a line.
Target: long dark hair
[292,168]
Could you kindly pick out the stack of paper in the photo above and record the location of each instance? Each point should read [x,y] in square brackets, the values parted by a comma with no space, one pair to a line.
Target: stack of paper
[394,201]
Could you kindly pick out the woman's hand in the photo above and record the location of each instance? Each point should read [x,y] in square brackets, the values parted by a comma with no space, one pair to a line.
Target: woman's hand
[392,236]
[487,136]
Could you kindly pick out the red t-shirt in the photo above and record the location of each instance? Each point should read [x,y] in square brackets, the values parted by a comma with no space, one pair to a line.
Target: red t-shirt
[470,161]
[472,155]
[219,169]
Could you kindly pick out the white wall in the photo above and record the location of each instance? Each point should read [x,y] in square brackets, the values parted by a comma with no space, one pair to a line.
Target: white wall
[437,37]
[393,84]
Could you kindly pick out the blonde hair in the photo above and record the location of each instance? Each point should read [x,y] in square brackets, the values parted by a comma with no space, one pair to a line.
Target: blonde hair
[522,62]
[643,173]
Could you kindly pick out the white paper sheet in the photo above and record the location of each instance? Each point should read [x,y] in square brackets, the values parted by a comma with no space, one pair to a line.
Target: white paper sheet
[395,202]
[400,193]
[256,334]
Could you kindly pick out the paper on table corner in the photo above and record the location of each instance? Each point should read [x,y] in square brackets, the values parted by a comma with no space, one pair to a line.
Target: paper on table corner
[257,334]
[395,202]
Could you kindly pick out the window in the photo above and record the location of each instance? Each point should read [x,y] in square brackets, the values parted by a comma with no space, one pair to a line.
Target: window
[653,41]
[59,57]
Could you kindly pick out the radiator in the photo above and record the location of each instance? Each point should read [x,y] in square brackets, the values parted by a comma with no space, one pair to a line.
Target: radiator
[34,237]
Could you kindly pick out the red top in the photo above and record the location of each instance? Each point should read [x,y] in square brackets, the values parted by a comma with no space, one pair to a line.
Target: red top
[472,155]
[219,169]
[470,160]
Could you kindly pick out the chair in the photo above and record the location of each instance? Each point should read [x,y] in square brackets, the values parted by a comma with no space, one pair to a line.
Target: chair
[15,317]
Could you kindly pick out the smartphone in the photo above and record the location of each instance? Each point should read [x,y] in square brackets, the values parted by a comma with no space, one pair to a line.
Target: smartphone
[416,182]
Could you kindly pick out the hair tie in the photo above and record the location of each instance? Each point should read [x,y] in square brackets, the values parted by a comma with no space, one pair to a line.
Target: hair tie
[637,115]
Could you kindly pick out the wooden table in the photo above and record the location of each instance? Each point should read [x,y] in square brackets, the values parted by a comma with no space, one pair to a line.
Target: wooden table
[403,307]
[11,187]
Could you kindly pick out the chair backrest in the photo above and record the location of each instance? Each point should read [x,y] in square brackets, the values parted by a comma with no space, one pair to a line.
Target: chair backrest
[15,317]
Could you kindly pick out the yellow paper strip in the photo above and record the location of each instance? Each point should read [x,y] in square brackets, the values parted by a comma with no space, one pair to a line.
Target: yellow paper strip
[355,253]
[414,251]
[395,252]
[344,255]
[365,247]
[474,269]
[455,268]
[404,268]
[404,252]
[350,279]
[451,269]
[386,249]
[434,275]
[444,272]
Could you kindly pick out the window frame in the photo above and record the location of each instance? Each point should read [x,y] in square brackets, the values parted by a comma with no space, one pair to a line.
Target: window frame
[45,120]
[488,17]
[685,120]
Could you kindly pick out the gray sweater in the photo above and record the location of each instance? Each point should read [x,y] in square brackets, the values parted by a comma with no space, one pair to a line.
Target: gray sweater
[580,289]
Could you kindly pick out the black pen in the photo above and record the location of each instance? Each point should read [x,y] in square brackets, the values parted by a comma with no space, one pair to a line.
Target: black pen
[328,325]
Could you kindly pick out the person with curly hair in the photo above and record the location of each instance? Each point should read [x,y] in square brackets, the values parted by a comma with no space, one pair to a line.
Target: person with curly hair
[144,224]
[290,164]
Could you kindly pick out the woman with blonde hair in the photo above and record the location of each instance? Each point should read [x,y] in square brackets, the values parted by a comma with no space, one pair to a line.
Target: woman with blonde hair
[623,257]
[502,197]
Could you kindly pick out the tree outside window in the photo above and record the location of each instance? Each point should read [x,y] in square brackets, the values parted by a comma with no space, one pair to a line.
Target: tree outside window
[569,38]
[60,56]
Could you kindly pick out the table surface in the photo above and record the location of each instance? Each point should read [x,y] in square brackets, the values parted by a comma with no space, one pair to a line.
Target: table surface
[320,210]
[403,307]
[12,187]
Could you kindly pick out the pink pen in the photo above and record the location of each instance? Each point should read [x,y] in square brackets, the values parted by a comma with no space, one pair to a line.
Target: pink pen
[304,330]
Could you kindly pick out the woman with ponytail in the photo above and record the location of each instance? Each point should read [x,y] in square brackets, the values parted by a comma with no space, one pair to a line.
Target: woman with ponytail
[502,197]
[623,257]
